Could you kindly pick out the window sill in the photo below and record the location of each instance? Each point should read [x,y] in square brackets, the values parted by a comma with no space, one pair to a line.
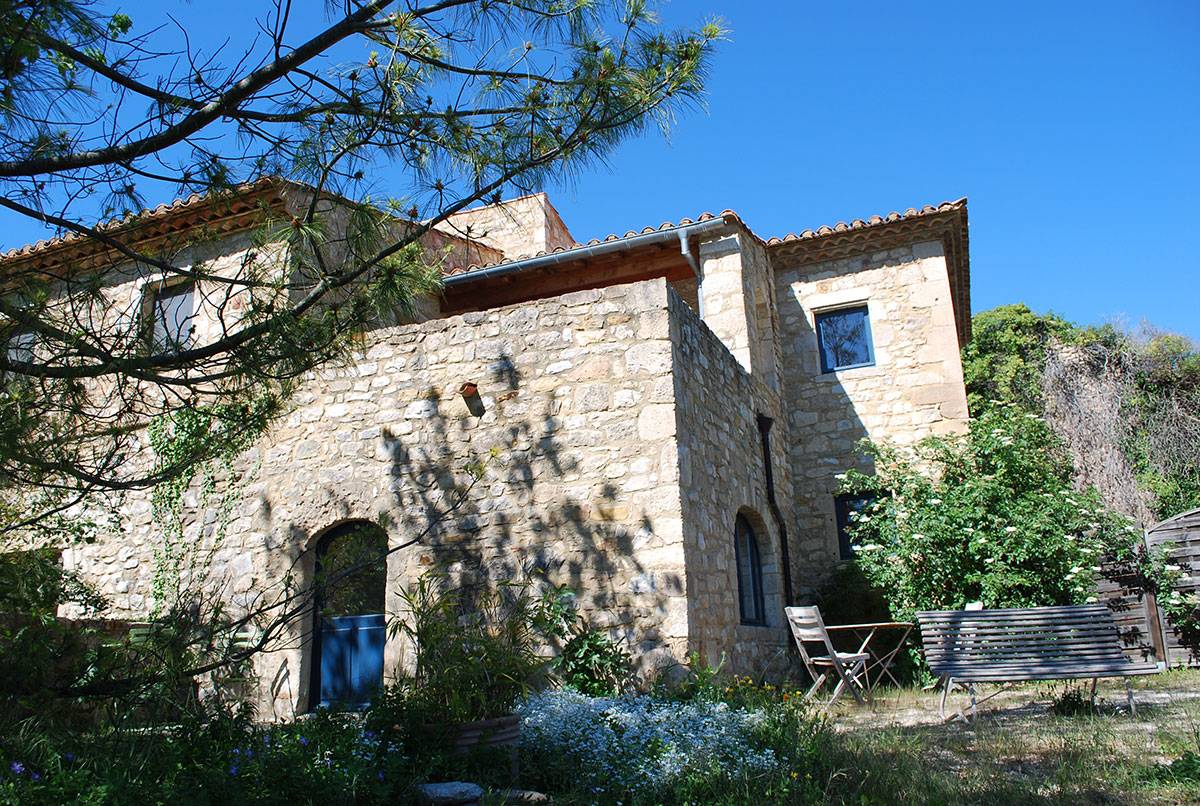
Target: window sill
[846,368]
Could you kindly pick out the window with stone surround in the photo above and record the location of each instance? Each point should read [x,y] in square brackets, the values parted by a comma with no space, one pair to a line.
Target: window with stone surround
[749,573]
[20,347]
[844,338]
[173,314]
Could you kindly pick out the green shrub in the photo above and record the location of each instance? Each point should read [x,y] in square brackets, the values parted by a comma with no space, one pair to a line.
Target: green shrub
[477,650]
[593,664]
[222,759]
[988,516]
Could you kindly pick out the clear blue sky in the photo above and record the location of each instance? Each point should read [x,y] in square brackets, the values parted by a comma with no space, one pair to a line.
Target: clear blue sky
[1074,129]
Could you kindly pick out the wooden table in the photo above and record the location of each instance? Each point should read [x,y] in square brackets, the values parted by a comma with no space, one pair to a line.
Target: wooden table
[881,661]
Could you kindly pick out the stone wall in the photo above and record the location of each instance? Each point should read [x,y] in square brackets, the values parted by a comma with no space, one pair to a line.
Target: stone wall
[517,227]
[577,434]
[721,475]
[914,388]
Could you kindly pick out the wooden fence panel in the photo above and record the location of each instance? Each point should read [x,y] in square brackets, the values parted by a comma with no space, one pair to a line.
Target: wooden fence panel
[1180,538]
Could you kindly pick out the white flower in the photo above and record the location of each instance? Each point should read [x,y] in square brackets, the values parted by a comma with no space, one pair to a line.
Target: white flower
[1172,568]
[618,745]
[935,501]
[871,547]
[1010,529]
[989,560]
[918,536]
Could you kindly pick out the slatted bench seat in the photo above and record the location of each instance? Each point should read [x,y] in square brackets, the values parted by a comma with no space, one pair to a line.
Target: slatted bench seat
[1070,642]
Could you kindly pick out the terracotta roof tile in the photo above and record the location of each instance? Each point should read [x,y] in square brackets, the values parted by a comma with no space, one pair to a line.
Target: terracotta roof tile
[145,216]
[873,221]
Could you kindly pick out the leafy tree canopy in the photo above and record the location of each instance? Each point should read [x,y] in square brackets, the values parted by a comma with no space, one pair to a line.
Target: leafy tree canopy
[1155,374]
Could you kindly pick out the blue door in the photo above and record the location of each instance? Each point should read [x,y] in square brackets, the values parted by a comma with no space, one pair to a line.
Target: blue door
[351,660]
[347,667]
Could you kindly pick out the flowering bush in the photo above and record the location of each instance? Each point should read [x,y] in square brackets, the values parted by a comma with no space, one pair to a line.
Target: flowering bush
[639,748]
[989,516]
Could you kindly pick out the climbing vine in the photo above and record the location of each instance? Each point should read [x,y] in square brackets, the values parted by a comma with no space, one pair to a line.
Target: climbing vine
[200,445]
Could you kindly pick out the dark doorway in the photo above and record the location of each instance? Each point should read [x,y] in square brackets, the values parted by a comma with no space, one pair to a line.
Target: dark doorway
[348,621]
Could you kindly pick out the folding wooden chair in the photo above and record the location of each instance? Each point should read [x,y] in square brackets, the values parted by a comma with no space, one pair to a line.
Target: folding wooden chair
[847,667]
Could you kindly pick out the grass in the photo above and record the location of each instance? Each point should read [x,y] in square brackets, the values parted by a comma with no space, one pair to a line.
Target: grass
[1019,751]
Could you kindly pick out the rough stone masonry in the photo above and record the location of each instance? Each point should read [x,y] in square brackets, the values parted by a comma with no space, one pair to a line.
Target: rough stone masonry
[636,395]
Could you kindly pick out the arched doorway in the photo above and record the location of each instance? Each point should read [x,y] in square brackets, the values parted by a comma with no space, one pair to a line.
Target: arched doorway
[348,618]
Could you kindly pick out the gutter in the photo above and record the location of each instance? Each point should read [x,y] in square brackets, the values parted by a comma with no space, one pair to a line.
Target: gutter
[681,233]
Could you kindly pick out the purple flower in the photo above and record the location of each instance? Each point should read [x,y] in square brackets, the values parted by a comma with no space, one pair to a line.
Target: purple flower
[303,742]
[69,757]
[237,751]
[233,770]
[36,776]
[17,767]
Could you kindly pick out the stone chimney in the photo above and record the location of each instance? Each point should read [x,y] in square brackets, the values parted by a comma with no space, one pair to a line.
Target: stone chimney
[518,227]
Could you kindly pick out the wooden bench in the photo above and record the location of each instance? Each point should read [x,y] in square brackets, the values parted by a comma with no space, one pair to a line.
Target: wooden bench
[1070,642]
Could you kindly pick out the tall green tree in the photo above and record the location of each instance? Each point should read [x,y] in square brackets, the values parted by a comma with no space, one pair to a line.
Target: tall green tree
[1004,360]
[454,101]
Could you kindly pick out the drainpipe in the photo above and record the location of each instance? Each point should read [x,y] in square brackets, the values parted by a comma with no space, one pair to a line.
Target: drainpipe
[685,249]
[764,431]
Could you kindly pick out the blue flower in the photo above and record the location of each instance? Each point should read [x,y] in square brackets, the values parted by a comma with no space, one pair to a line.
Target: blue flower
[36,776]
[233,771]
[17,767]
[69,757]
[303,742]
[381,775]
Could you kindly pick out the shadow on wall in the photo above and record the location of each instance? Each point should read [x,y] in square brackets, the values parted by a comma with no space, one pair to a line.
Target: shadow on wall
[539,506]
[825,426]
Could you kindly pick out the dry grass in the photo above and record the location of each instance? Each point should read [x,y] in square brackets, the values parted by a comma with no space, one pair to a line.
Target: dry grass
[1019,751]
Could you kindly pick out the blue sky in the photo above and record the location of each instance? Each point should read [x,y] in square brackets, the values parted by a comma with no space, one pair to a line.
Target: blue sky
[1073,128]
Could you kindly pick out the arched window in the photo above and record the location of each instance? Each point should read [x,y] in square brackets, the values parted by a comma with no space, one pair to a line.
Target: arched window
[351,574]
[749,573]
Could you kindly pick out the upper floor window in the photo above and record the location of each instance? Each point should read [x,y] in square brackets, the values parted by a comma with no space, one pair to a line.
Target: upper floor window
[848,508]
[20,346]
[174,310]
[844,338]
[749,573]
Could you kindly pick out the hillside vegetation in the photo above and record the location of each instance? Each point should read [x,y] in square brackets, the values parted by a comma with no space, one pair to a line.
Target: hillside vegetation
[1127,405]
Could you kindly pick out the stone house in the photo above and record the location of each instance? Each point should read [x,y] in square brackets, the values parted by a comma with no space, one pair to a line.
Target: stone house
[665,412]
